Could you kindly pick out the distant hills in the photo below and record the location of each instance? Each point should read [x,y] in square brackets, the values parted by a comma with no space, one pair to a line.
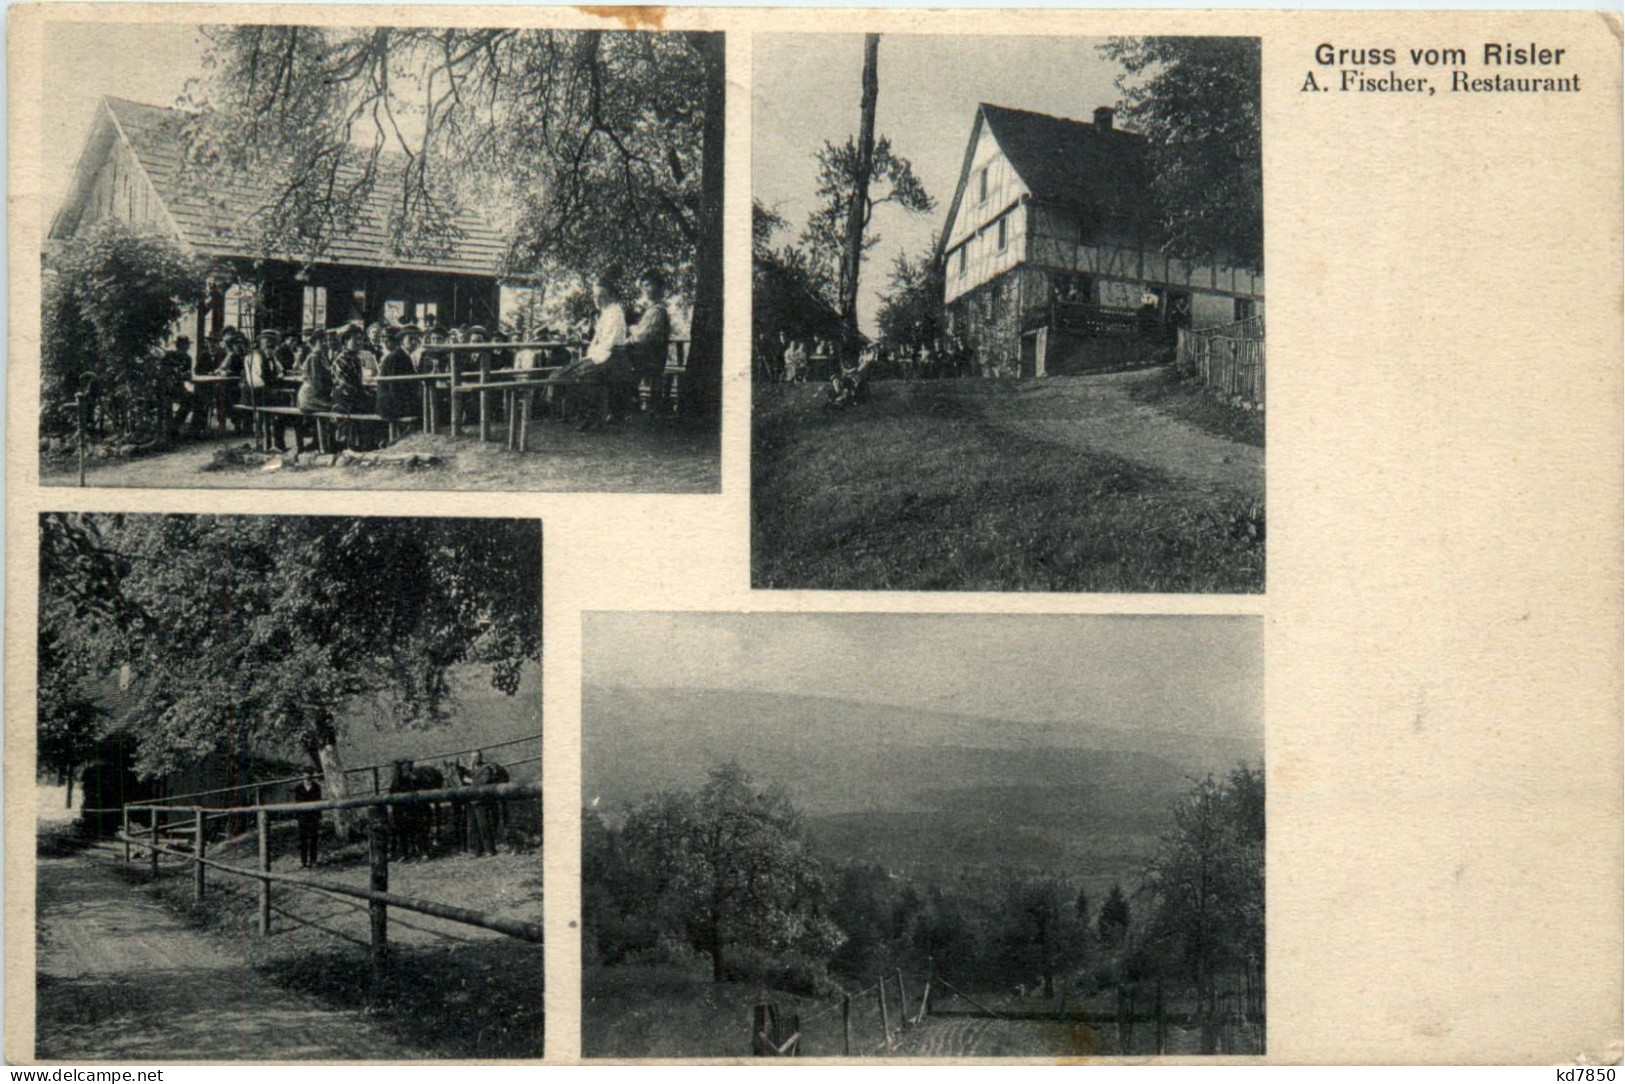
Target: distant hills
[904,787]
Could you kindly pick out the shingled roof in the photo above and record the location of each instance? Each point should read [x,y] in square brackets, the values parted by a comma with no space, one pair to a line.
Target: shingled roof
[1103,172]
[209,219]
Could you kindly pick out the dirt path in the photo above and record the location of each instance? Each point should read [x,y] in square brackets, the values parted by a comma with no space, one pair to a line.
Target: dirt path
[637,457]
[1099,413]
[121,979]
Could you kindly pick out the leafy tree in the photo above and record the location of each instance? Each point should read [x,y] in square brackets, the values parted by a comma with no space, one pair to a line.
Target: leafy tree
[108,302]
[730,866]
[253,631]
[1207,883]
[789,291]
[1113,922]
[911,312]
[1196,100]
[1043,934]
[596,152]
[890,179]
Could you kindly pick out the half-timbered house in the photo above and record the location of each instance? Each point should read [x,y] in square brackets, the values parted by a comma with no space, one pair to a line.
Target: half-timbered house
[1052,260]
[134,168]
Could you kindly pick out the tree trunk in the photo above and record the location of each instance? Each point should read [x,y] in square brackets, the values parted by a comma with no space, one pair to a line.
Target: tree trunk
[69,774]
[852,250]
[345,821]
[703,394]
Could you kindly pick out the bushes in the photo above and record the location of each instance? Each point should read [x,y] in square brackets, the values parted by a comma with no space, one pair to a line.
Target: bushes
[107,306]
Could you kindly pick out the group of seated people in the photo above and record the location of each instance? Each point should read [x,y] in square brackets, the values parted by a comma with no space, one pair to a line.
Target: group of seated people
[336,370]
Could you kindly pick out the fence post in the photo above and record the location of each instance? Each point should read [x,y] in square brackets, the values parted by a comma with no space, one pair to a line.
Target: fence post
[885,1017]
[262,821]
[198,868]
[126,835]
[378,854]
[925,995]
[154,814]
[456,406]
[846,1024]
[902,1002]
[485,408]
[1162,1022]
[377,786]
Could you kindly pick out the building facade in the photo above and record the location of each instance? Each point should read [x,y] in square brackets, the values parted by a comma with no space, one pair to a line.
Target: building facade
[133,169]
[1051,260]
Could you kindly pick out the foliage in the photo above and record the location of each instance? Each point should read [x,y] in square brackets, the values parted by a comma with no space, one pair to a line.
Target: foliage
[1207,885]
[595,152]
[108,303]
[911,312]
[728,868]
[789,292]
[1113,922]
[1196,100]
[252,631]
[891,180]
[1044,935]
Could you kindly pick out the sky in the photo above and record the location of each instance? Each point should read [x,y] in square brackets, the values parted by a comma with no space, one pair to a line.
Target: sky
[1179,674]
[143,62]
[807,89]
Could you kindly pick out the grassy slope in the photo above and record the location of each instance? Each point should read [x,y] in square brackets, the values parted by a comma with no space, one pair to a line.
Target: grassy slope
[1190,402]
[916,491]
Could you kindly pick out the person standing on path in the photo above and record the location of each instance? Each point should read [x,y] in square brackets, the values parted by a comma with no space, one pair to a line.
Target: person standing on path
[310,824]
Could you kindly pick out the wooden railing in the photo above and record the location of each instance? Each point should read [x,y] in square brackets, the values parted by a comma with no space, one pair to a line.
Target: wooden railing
[259,786]
[377,895]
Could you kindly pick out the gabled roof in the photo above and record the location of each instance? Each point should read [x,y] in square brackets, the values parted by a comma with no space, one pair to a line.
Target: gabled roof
[208,219]
[1101,172]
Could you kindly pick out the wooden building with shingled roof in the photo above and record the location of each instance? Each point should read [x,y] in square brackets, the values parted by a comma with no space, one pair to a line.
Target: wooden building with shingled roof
[133,168]
[1052,260]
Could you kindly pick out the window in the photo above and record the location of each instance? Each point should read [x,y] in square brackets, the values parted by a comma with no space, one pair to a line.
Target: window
[1004,232]
[1245,309]
[962,250]
[981,186]
[394,311]
[314,312]
[428,314]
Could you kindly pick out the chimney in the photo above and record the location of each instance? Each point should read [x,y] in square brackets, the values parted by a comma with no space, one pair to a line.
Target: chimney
[1103,118]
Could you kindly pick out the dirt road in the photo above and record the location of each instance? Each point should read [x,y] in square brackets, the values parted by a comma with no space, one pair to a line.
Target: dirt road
[121,979]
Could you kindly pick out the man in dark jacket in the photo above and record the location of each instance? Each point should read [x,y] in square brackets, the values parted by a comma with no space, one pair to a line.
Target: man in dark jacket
[397,399]
[310,824]
[484,810]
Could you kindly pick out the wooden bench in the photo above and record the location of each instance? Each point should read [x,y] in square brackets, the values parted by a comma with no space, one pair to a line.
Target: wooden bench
[325,420]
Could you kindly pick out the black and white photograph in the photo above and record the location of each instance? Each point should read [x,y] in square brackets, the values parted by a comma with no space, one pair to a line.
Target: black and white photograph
[381,258]
[921,836]
[288,789]
[1008,313]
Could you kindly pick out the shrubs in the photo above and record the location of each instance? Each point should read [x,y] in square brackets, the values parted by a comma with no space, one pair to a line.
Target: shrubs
[108,303]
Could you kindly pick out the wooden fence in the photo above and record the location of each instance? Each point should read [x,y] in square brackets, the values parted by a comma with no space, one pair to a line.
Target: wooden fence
[872,1020]
[1228,358]
[1143,1022]
[192,829]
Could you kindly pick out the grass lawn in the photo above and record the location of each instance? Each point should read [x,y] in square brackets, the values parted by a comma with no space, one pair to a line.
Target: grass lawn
[669,1011]
[1065,484]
